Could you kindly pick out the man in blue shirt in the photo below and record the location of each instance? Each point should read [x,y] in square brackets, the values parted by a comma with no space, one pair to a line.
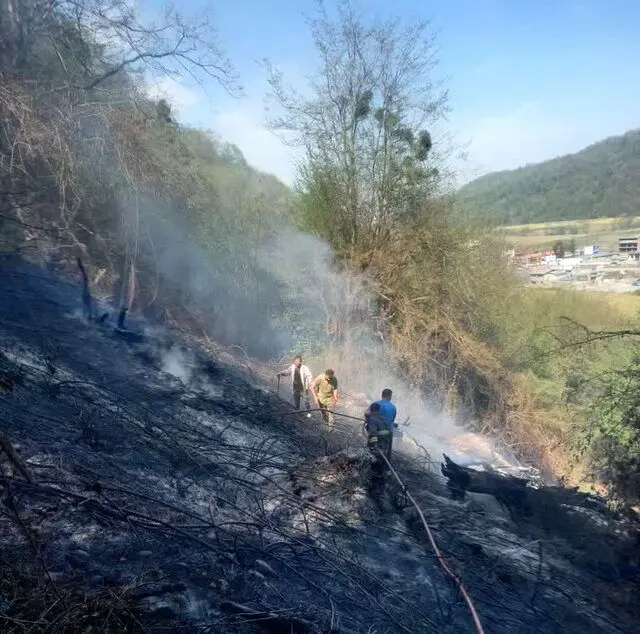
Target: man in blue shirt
[384,411]
[387,409]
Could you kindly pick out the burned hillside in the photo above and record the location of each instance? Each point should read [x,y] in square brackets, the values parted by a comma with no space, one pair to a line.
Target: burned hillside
[153,478]
[134,500]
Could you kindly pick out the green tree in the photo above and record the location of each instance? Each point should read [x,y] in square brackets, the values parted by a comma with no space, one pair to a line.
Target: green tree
[600,181]
[611,440]
[368,163]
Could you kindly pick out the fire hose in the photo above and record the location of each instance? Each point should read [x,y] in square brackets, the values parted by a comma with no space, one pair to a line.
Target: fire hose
[436,550]
[434,545]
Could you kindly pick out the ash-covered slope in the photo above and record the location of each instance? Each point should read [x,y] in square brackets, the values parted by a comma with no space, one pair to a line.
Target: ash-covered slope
[138,502]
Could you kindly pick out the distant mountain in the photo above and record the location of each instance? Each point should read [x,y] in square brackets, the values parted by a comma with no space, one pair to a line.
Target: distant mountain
[601,180]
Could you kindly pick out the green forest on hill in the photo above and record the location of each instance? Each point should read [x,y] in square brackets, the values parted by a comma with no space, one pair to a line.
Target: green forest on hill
[603,180]
[172,221]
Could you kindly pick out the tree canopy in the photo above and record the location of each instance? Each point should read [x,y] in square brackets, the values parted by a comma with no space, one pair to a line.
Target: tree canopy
[167,218]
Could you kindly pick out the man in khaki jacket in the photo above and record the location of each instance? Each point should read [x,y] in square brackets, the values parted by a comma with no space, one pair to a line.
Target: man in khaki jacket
[325,393]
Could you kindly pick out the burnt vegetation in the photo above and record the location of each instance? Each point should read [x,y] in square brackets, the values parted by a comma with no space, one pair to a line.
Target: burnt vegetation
[135,502]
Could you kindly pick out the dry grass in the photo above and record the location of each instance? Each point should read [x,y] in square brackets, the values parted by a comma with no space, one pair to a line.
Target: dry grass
[608,240]
[545,307]
[30,602]
[623,306]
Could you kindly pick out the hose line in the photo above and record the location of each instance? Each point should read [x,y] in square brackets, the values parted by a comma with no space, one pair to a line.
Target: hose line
[434,545]
[436,550]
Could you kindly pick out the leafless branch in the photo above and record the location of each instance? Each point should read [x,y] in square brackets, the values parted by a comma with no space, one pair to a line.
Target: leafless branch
[587,336]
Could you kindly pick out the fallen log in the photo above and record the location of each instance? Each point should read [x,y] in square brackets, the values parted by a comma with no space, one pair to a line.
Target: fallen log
[507,489]
[556,509]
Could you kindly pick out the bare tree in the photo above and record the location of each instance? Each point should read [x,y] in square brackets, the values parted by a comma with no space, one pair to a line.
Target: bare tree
[364,126]
[91,41]
[72,110]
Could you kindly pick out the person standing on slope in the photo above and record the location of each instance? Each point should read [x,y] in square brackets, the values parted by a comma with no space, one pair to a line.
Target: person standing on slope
[379,442]
[325,393]
[388,411]
[301,378]
[387,408]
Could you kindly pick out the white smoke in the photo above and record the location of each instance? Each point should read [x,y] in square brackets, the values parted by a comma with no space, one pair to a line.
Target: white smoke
[317,295]
[179,363]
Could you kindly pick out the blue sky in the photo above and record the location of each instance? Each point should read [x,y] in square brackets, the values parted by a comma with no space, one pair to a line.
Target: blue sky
[528,79]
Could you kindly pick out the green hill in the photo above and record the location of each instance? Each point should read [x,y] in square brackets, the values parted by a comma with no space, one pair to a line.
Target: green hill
[601,180]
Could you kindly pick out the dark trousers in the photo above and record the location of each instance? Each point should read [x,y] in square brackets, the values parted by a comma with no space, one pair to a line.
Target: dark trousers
[383,446]
[296,399]
[379,468]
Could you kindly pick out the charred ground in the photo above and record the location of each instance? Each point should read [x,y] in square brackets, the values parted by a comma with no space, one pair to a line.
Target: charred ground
[138,501]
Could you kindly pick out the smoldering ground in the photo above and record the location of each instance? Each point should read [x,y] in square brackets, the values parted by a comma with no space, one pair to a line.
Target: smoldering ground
[333,315]
[194,510]
[259,284]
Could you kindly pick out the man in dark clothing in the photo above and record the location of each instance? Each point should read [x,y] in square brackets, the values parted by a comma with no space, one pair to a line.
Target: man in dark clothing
[379,440]
[378,432]
[387,410]
[297,386]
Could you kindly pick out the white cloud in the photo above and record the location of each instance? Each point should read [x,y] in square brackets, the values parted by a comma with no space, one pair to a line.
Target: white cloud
[243,125]
[177,94]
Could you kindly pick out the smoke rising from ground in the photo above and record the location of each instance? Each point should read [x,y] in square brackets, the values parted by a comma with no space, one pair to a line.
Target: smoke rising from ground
[264,286]
[177,363]
[199,244]
[340,308]
[276,293]
[296,299]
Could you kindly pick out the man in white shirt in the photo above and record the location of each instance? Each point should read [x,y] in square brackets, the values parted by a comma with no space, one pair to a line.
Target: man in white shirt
[301,378]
